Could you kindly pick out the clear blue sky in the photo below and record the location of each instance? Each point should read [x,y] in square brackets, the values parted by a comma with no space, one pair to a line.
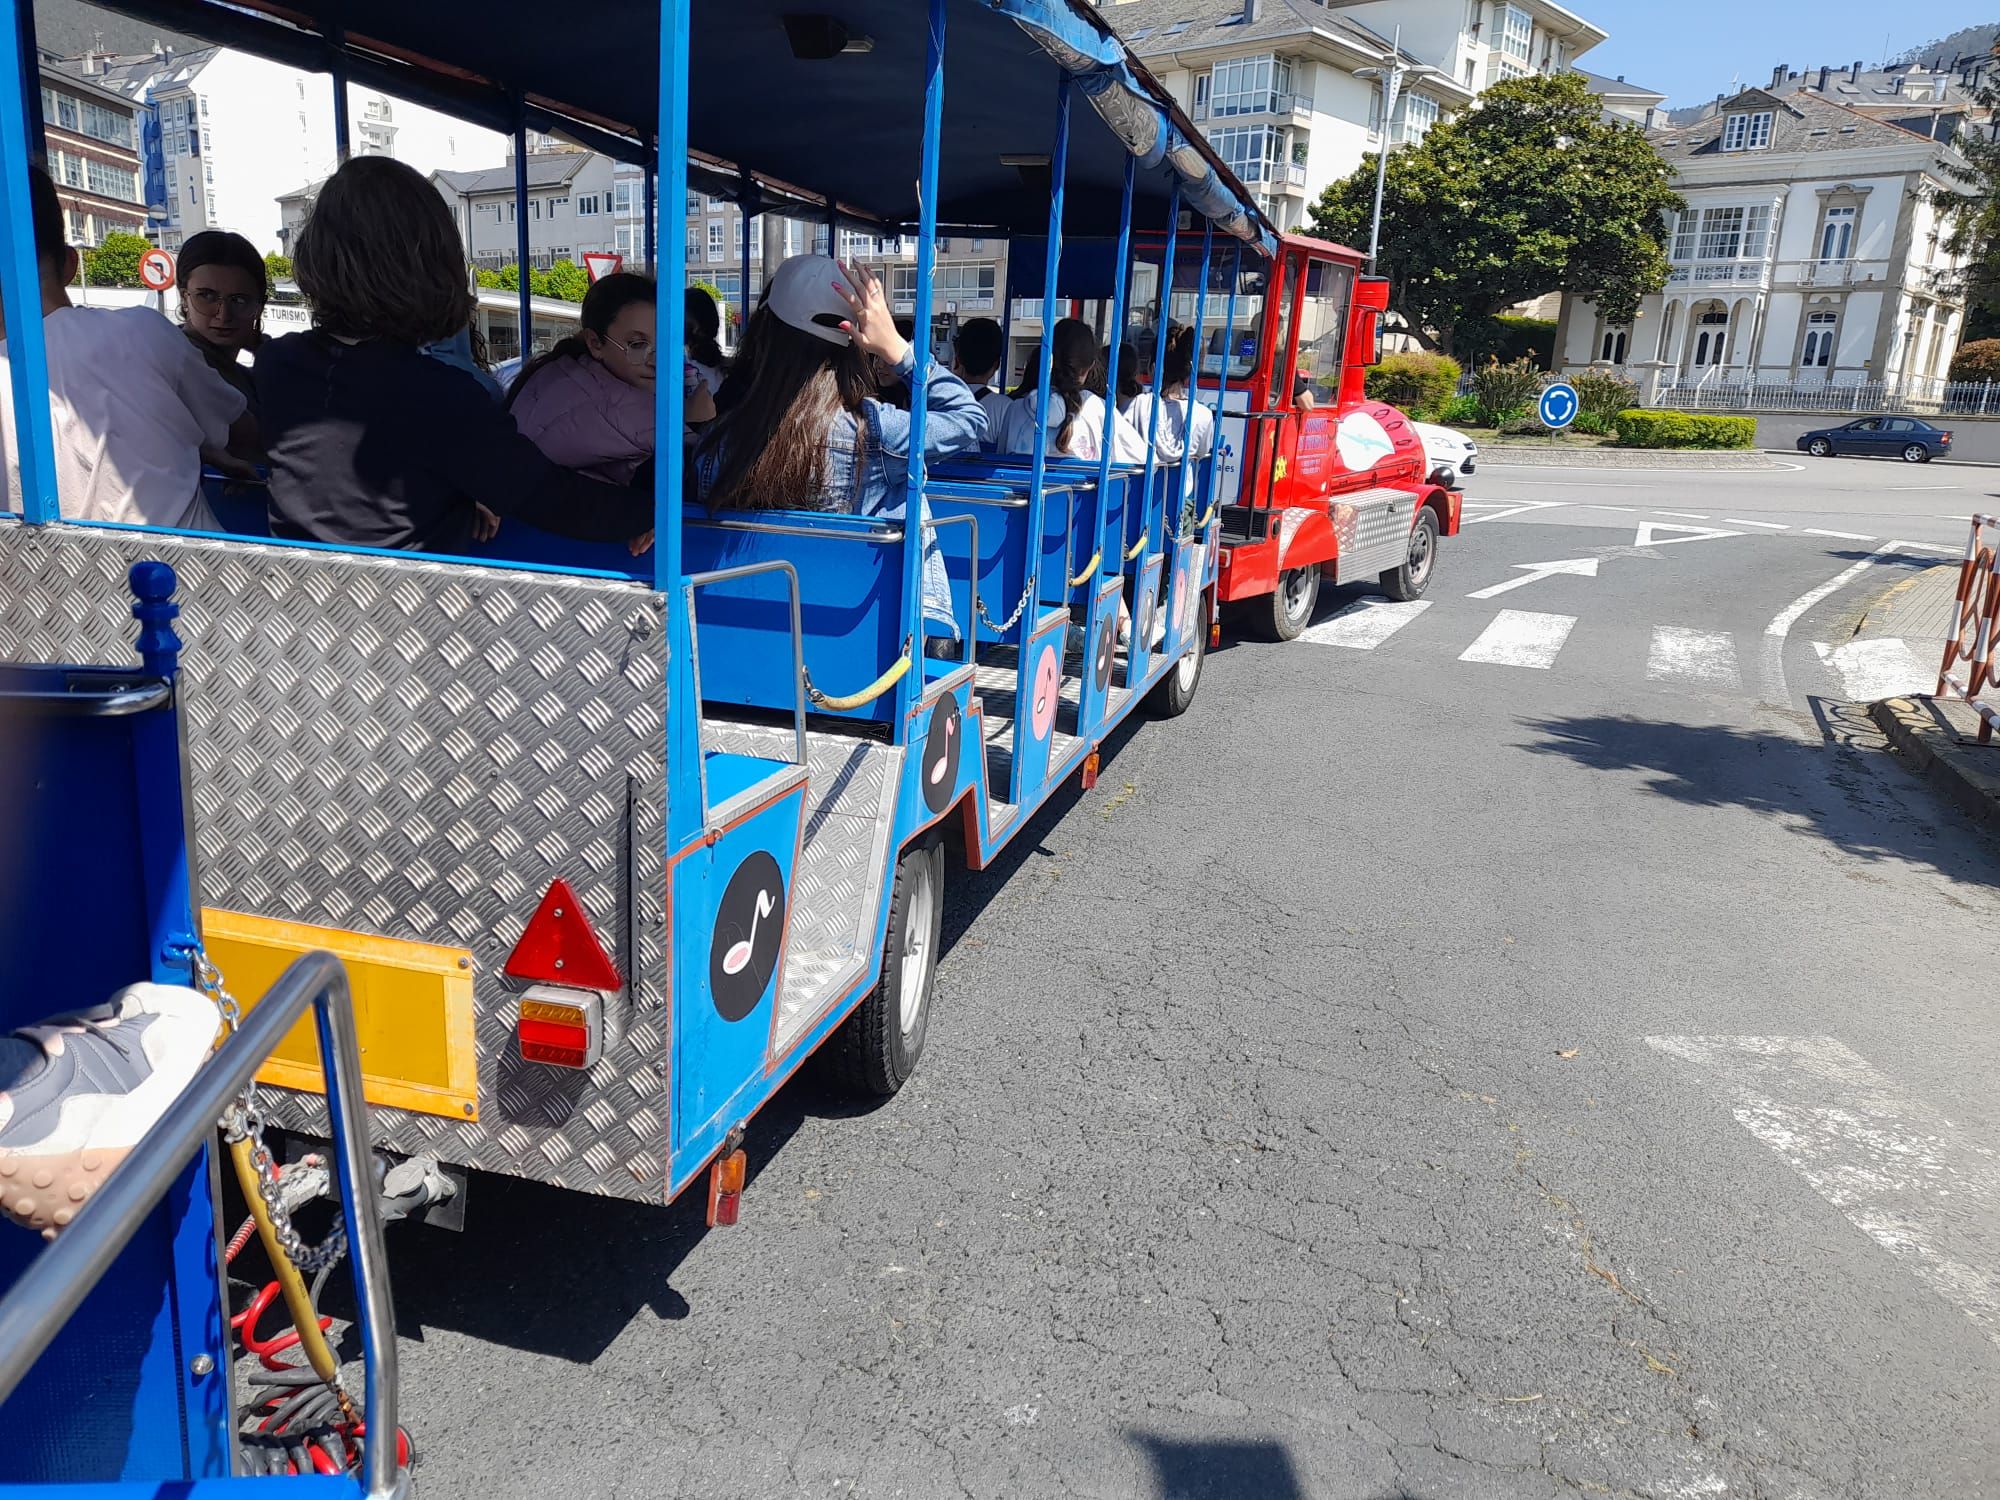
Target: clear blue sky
[1691,49]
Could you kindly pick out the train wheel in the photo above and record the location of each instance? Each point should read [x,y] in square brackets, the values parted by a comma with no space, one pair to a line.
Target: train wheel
[877,1048]
[1409,581]
[1176,690]
[1292,603]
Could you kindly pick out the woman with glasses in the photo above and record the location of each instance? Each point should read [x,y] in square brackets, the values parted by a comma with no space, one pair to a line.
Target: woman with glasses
[222,284]
[588,403]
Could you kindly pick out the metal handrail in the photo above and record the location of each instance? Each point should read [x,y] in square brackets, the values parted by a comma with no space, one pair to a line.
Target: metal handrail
[101,705]
[58,1280]
[726,575]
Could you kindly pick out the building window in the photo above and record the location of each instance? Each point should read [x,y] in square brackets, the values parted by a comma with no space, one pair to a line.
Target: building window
[693,246]
[1818,353]
[107,125]
[1711,342]
[1836,233]
[714,204]
[622,196]
[1747,132]
[1419,114]
[65,114]
[558,203]
[1200,90]
[589,204]
[1517,31]
[1723,234]
[1612,350]
[1248,85]
[694,203]
[628,243]
[1252,152]
[113,182]
[715,241]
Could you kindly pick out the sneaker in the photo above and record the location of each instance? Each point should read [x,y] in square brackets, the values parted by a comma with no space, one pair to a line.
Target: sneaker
[77,1093]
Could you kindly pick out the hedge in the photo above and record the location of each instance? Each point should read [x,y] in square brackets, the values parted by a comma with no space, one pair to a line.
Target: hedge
[1684,429]
[1421,384]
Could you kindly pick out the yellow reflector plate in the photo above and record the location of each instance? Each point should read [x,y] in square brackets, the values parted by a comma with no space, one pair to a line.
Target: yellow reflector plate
[412,1010]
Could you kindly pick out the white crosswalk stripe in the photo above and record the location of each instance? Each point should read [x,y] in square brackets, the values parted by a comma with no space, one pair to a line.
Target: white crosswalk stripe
[1365,625]
[1878,667]
[1707,657]
[1521,638]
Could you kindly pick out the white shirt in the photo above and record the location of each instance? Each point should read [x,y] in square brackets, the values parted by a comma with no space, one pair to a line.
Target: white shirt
[708,375]
[994,403]
[132,404]
[1186,428]
[1086,431]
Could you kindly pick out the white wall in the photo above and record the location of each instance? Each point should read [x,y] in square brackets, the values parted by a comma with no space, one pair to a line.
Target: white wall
[558,228]
[269,130]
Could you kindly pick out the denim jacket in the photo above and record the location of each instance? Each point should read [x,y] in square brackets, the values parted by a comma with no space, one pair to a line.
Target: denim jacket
[872,478]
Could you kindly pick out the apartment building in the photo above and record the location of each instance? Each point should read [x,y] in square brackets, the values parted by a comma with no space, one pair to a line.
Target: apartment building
[1809,253]
[1290,92]
[93,155]
[569,207]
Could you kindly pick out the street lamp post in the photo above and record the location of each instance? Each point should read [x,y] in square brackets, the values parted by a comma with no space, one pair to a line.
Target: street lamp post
[1392,87]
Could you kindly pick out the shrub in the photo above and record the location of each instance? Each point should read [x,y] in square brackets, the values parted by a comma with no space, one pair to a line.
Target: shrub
[1978,360]
[1525,339]
[1505,391]
[1460,411]
[1594,424]
[1602,396]
[1684,429]
[1421,384]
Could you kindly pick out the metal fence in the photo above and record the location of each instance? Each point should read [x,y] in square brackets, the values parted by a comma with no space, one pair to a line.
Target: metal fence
[1963,398]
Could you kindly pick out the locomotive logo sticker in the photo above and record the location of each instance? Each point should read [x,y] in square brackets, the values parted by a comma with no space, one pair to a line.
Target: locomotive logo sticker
[1107,642]
[1048,688]
[1362,442]
[749,933]
[939,766]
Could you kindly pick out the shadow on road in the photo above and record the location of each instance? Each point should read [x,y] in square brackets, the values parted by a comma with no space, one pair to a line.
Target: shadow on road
[1219,1471]
[1830,790]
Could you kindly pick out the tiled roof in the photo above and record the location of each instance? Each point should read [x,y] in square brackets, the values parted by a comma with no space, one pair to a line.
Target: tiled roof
[1799,122]
[1616,88]
[545,169]
[1151,27]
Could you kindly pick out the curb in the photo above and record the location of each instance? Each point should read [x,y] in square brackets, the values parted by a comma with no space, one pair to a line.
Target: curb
[1932,749]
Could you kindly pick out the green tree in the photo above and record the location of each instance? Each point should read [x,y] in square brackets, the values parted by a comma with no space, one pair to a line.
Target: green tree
[277,268]
[115,262]
[1531,191]
[1969,204]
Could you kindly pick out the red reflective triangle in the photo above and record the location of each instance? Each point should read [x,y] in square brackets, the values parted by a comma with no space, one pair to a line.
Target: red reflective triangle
[561,947]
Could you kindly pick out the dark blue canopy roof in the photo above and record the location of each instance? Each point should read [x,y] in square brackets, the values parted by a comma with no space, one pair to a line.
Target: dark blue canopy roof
[847,126]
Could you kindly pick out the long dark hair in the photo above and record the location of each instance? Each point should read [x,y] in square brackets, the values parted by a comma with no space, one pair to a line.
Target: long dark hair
[770,447]
[1128,373]
[703,327]
[1073,371]
[1178,366]
[602,304]
[381,258]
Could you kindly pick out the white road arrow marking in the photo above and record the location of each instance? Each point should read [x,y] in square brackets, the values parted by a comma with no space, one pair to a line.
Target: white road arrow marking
[1519,508]
[1649,534]
[1583,567]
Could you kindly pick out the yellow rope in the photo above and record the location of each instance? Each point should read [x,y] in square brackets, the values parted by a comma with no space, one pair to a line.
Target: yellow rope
[868,694]
[1136,548]
[1089,569]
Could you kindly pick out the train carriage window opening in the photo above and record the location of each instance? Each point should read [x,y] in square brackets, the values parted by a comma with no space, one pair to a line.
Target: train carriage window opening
[1323,329]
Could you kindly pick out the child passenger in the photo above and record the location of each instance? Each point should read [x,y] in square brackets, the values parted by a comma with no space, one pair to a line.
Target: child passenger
[588,403]
[1074,404]
[371,442]
[810,431]
[981,347]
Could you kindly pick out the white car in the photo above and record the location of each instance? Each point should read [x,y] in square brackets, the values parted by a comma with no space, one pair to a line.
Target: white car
[1451,454]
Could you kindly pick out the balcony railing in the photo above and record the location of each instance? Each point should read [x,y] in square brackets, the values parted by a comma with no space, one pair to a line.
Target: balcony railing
[1842,272]
[1720,273]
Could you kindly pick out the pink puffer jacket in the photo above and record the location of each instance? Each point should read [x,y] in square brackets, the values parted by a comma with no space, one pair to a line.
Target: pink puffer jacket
[583,417]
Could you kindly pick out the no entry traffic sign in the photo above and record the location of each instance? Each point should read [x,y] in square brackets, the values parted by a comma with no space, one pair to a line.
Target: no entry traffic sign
[156,270]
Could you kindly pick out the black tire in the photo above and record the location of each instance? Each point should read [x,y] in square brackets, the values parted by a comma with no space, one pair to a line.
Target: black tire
[1292,602]
[1916,453]
[1820,448]
[1177,689]
[1414,576]
[877,1047]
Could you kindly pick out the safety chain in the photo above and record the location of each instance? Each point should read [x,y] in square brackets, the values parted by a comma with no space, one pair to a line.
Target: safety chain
[1019,605]
[245,1119]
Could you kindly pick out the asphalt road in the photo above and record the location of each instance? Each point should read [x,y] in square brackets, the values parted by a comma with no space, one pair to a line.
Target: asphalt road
[1461,1057]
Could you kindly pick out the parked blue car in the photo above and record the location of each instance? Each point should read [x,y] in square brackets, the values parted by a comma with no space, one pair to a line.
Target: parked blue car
[1907,438]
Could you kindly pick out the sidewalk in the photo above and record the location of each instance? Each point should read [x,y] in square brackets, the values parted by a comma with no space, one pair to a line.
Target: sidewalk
[1917,610]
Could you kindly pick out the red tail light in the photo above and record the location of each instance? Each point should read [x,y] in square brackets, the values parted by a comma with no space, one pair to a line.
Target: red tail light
[561,1027]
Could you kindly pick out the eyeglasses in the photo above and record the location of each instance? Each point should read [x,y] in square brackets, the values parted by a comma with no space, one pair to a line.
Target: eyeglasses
[209,300]
[641,350]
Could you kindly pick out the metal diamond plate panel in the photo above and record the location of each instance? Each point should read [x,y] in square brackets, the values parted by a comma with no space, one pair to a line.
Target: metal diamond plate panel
[415,749]
[843,867]
[1376,535]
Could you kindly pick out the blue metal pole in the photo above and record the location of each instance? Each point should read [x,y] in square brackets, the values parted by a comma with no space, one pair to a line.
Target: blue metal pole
[743,203]
[1121,271]
[911,687]
[1228,351]
[1160,348]
[337,66]
[21,283]
[1058,169]
[526,308]
[1194,371]
[649,211]
[684,810]
[31,84]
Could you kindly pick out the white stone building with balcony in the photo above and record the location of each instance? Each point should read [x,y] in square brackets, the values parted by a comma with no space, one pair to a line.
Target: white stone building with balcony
[1808,254]
[1290,91]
